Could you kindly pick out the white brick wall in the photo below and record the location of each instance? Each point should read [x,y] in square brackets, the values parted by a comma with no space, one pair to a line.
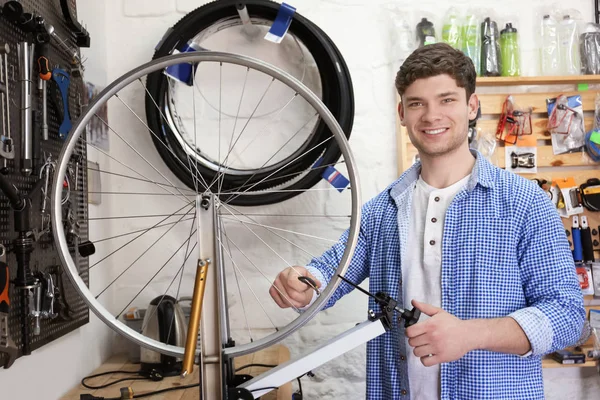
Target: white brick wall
[362,31]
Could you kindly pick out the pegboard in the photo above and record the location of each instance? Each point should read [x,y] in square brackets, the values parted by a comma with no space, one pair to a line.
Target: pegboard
[44,257]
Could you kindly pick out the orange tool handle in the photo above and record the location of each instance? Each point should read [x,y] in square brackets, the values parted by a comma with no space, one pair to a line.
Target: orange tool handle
[4,284]
[44,68]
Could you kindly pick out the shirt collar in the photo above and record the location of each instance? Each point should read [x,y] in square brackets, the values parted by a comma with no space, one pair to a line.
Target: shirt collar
[483,174]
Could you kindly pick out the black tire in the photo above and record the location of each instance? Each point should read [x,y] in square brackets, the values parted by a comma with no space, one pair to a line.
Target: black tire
[337,95]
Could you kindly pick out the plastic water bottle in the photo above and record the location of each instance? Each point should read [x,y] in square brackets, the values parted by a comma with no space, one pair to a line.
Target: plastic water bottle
[451,32]
[472,41]
[568,46]
[490,49]
[425,33]
[509,51]
[549,60]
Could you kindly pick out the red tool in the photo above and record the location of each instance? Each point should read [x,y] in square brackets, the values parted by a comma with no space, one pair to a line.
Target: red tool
[7,346]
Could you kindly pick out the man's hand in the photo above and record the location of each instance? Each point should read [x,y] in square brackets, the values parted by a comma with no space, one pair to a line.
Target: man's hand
[288,289]
[443,336]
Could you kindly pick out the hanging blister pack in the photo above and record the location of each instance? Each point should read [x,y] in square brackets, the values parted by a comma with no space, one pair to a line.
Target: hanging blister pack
[565,124]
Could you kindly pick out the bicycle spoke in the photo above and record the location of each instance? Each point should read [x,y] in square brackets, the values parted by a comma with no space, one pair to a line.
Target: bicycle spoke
[293,174]
[280,168]
[262,129]
[222,164]
[138,216]
[140,179]
[165,119]
[140,235]
[157,272]
[135,151]
[237,281]
[136,260]
[139,173]
[180,270]
[262,273]
[139,230]
[288,264]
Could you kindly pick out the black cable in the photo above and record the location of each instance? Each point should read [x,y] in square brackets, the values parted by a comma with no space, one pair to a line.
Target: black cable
[139,396]
[111,383]
[255,365]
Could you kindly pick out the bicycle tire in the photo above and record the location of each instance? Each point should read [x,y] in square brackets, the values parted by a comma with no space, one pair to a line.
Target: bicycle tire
[337,95]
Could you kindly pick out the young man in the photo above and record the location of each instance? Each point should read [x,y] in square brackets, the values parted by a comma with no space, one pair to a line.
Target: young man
[480,251]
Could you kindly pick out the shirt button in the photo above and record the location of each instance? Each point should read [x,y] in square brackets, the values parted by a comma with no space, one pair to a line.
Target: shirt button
[402,358]
[434,220]
[437,198]
[432,242]
[404,392]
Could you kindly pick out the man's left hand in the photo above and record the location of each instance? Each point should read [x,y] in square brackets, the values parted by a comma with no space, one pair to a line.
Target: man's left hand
[441,338]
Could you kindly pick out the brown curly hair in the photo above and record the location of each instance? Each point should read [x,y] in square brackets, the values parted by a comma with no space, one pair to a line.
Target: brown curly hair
[436,59]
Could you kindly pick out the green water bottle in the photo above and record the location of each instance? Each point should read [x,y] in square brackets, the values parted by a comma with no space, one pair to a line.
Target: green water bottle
[451,31]
[509,52]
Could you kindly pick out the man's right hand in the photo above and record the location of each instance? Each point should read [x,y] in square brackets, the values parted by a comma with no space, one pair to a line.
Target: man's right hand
[287,288]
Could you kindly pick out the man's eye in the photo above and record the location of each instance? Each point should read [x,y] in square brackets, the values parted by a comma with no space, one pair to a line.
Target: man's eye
[415,104]
[448,100]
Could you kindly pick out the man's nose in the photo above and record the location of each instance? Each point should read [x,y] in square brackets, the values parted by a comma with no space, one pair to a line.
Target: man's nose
[431,113]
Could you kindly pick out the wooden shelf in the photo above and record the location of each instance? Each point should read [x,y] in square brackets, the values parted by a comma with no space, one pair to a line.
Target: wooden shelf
[550,363]
[536,80]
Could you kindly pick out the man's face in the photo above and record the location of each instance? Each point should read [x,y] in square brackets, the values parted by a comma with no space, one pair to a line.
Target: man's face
[436,114]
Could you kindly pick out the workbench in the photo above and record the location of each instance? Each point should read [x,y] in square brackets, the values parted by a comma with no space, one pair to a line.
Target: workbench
[273,355]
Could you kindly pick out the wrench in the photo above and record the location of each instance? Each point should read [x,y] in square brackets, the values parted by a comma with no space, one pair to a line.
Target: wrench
[7,346]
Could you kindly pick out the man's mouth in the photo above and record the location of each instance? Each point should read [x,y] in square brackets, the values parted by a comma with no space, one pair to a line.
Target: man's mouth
[434,131]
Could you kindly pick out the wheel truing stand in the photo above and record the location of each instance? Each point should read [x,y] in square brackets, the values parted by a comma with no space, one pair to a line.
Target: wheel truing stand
[217,379]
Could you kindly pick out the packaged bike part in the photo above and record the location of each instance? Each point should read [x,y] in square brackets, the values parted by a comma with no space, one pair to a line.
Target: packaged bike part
[589,49]
[452,33]
[592,145]
[509,51]
[567,197]
[522,158]
[485,143]
[514,121]
[472,38]
[490,48]
[565,124]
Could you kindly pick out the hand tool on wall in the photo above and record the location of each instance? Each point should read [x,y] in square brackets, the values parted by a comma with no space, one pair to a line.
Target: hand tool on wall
[576,233]
[42,39]
[81,34]
[25,55]
[586,240]
[7,346]
[7,148]
[62,79]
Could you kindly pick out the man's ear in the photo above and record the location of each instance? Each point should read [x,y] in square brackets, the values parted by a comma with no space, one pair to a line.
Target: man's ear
[473,106]
[401,114]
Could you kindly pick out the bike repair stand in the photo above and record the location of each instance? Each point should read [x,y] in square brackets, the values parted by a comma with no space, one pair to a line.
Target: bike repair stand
[217,376]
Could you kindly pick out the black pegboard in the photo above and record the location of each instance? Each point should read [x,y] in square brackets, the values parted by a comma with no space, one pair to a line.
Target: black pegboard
[45,254]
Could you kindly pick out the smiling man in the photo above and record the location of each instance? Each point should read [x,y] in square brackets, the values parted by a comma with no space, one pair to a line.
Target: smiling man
[480,251]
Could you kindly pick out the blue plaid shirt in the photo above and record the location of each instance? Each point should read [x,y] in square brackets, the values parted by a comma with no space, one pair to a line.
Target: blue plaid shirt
[504,253]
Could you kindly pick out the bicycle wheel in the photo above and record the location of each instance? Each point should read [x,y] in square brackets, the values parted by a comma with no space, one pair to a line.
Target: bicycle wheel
[160,215]
[201,29]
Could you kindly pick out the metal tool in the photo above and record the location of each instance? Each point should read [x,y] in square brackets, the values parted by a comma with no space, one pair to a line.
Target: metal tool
[62,79]
[7,346]
[7,148]
[25,54]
